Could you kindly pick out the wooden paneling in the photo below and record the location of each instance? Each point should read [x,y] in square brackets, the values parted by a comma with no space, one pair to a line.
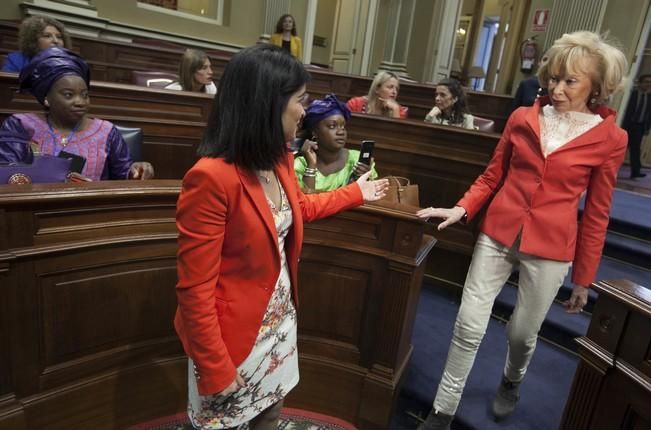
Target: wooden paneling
[114,61]
[92,300]
[442,160]
[88,297]
[612,385]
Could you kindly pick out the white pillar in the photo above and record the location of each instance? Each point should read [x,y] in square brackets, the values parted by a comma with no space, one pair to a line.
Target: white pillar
[399,27]
[274,9]
[310,23]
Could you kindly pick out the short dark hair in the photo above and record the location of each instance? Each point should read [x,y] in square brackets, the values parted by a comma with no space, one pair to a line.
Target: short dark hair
[279,24]
[245,126]
[460,107]
[31,29]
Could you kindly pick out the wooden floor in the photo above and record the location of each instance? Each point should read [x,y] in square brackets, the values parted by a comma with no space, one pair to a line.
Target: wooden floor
[638,185]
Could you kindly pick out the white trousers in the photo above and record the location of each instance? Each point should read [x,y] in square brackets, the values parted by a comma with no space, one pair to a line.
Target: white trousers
[492,264]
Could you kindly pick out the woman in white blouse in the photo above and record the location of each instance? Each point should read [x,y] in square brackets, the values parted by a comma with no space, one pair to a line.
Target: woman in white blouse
[548,155]
[450,106]
[195,73]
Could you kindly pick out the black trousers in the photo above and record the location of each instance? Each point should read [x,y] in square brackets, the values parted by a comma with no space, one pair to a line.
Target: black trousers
[635,135]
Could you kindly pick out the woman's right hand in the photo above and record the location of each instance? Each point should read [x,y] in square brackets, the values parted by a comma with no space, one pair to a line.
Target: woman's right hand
[390,105]
[308,149]
[450,216]
[234,386]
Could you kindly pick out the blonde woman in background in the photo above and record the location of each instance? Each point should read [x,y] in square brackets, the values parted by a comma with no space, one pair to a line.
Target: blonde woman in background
[381,98]
[195,73]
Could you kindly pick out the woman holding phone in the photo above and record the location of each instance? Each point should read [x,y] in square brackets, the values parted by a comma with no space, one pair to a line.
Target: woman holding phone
[326,164]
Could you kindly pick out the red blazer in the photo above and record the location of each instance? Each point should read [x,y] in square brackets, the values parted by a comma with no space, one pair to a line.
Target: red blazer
[539,196]
[228,260]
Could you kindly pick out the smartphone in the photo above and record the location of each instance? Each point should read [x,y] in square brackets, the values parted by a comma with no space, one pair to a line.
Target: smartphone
[366,152]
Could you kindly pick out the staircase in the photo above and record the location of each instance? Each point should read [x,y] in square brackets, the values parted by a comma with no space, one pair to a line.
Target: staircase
[627,254]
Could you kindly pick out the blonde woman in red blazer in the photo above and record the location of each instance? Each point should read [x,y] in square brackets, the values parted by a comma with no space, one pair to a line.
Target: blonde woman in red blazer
[548,156]
[240,219]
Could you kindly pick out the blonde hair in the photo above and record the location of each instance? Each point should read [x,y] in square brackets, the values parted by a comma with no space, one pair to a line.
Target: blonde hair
[191,61]
[379,80]
[607,66]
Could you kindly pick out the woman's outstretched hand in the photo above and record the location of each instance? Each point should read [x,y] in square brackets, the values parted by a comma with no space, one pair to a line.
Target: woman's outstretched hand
[449,216]
[372,190]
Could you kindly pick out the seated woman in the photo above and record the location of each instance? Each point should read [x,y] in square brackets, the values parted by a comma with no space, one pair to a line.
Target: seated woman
[450,106]
[285,36]
[195,73]
[36,33]
[59,80]
[326,164]
[381,98]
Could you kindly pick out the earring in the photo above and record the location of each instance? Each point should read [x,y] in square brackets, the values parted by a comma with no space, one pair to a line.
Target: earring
[46,103]
[593,100]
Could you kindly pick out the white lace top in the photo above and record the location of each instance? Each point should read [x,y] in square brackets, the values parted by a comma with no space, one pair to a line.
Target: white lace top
[557,129]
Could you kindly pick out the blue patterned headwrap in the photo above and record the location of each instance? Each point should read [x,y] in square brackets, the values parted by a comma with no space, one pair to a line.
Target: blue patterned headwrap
[322,109]
[47,67]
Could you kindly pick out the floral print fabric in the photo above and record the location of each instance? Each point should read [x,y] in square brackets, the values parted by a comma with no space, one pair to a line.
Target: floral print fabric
[271,369]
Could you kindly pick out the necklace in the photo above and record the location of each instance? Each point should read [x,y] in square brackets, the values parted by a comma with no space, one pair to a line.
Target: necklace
[265,178]
[64,140]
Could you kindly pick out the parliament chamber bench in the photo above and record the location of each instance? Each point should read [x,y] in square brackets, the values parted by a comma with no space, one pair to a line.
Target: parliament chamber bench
[115,61]
[442,160]
[87,299]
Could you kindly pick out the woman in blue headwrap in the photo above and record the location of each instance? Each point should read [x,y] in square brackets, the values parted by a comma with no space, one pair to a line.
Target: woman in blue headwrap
[326,164]
[59,80]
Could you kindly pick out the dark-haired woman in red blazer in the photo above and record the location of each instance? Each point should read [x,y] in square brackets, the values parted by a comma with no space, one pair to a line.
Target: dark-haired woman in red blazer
[240,219]
[548,156]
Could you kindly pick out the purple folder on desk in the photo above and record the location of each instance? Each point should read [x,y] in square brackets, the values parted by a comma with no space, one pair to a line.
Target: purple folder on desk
[44,168]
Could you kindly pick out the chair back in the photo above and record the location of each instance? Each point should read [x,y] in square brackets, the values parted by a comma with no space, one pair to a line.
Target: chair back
[145,78]
[484,124]
[133,137]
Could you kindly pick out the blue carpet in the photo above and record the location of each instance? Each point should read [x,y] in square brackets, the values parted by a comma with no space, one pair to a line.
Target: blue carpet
[630,208]
[543,394]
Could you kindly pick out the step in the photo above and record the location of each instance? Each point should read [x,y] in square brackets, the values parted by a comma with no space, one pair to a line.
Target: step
[629,214]
[544,392]
[629,249]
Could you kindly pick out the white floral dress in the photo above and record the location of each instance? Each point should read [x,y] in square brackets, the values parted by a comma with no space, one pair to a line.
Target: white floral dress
[271,369]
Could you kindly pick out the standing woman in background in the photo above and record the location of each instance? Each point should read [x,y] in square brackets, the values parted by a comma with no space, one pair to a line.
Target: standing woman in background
[195,73]
[548,156]
[240,219]
[285,36]
[36,33]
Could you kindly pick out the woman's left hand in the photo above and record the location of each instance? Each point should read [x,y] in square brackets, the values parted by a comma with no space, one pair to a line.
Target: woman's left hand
[141,170]
[577,301]
[372,190]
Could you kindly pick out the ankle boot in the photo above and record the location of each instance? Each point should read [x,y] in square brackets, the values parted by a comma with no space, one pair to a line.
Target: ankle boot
[508,394]
[436,421]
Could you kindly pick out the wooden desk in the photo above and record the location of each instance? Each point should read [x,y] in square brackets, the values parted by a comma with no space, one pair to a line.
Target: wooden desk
[87,276]
[612,384]
[444,161]
[172,121]
[113,61]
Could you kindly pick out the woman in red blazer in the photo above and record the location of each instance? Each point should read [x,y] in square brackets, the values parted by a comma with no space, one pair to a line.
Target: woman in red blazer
[548,156]
[240,219]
